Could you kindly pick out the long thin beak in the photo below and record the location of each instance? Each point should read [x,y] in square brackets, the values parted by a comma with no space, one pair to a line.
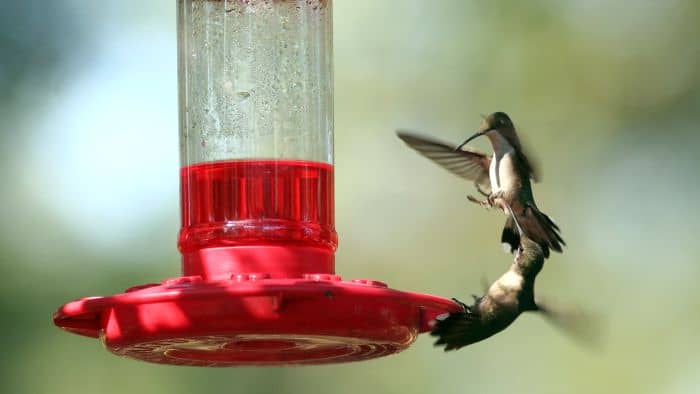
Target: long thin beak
[479,134]
[515,220]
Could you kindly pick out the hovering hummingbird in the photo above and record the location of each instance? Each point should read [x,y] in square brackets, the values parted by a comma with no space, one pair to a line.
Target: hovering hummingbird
[509,296]
[504,178]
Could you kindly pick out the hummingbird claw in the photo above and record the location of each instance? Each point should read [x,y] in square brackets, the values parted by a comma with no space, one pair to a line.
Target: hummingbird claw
[464,306]
[484,204]
[480,190]
[493,196]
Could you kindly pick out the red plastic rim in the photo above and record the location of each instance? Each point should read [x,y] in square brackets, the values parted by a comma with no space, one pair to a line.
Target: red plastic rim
[250,319]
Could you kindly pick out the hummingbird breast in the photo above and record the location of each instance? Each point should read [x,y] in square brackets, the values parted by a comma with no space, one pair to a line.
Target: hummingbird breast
[503,174]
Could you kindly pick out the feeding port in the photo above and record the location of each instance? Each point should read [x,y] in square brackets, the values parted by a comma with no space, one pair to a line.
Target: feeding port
[258,239]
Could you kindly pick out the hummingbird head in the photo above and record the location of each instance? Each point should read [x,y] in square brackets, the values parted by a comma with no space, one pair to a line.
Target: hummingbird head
[496,126]
[529,259]
[496,121]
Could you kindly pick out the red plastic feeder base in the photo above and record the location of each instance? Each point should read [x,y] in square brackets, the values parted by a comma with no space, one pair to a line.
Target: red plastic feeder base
[251,319]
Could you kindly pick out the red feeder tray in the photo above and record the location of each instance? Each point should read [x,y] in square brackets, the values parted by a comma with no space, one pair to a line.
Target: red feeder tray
[254,320]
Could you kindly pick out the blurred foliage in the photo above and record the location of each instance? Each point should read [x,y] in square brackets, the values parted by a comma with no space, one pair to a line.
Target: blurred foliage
[606,93]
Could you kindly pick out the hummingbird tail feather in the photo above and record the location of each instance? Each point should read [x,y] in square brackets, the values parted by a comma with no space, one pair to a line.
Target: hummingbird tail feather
[545,232]
[458,329]
[510,237]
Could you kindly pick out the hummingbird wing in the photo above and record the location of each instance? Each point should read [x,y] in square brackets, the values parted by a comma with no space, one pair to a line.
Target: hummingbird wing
[580,325]
[529,165]
[530,168]
[466,163]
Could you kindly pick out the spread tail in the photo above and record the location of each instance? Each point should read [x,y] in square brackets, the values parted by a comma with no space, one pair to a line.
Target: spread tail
[538,227]
[457,330]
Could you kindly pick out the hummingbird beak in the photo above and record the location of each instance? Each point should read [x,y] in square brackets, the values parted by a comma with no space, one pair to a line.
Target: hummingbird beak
[478,134]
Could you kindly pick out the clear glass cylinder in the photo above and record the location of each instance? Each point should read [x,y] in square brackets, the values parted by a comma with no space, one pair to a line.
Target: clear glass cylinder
[256,128]
[255,80]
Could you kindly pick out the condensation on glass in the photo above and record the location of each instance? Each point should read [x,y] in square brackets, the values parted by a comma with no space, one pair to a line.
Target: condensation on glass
[255,80]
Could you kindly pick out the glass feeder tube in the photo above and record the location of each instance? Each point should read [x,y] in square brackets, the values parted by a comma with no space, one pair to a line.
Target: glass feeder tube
[258,284]
[256,137]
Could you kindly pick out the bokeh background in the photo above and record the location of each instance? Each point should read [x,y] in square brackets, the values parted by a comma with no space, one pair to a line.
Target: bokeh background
[607,94]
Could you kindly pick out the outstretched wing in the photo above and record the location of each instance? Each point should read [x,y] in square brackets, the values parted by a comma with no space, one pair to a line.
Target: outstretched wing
[466,163]
[530,166]
[580,325]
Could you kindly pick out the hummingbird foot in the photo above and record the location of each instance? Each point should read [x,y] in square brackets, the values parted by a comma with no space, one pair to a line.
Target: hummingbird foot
[493,196]
[464,306]
[480,190]
[484,204]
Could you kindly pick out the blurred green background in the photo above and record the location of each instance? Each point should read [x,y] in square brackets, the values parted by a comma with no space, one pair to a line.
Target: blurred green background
[606,93]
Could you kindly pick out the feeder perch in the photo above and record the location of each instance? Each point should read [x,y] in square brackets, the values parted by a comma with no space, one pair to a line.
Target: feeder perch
[258,284]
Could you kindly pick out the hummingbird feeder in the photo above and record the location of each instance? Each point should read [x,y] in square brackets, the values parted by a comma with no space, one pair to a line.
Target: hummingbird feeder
[258,284]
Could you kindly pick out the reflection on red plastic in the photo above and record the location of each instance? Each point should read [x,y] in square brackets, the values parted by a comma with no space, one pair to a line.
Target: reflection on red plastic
[258,285]
[266,322]
[257,202]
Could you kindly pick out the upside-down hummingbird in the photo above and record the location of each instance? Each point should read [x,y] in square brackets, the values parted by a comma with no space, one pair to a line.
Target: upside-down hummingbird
[509,296]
